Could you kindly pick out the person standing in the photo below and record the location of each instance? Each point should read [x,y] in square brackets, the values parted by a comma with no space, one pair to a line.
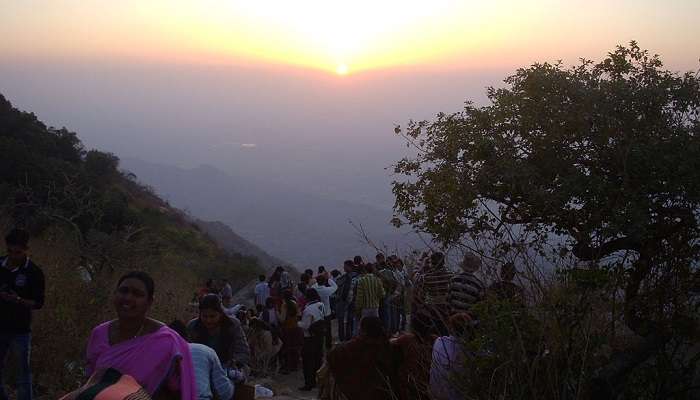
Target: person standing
[430,297]
[262,291]
[314,325]
[344,297]
[505,289]
[386,308]
[325,288]
[21,292]
[292,335]
[465,288]
[285,281]
[226,290]
[370,293]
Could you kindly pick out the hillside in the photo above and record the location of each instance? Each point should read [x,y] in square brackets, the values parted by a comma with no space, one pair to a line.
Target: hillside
[89,224]
[303,228]
[230,241]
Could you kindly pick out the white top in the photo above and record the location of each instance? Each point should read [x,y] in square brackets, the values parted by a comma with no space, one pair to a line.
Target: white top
[312,312]
[325,293]
[262,292]
[448,358]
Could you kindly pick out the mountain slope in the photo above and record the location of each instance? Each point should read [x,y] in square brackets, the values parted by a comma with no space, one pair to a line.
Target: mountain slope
[234,243]
[306,229]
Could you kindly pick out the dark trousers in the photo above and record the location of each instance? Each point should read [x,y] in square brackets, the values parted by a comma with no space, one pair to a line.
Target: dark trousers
[329,333]
[344,315]
[311,357]
[22,344]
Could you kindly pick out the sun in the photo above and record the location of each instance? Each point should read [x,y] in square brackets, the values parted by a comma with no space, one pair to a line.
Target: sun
[341,69]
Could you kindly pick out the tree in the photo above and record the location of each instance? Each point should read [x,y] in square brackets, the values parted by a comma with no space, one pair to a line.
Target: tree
[604,155]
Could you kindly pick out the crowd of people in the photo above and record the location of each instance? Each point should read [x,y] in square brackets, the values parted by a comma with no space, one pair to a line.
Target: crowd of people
[398,331]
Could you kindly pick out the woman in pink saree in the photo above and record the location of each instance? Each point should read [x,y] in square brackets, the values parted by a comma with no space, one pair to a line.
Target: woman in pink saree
[141,347]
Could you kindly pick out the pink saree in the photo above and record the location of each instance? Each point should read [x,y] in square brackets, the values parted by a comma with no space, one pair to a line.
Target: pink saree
[160,359]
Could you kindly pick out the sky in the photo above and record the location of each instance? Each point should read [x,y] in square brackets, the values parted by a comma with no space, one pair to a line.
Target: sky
[303,92]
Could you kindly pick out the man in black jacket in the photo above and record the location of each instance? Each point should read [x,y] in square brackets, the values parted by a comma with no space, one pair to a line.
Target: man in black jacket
[21,291]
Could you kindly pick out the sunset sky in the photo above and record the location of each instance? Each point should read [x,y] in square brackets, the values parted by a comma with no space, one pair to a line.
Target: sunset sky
[298,91]
[345,36]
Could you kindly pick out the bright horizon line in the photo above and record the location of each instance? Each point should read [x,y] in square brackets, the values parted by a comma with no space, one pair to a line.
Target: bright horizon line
[365,35]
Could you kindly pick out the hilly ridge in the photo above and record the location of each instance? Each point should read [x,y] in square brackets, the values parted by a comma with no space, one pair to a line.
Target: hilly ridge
[303,228]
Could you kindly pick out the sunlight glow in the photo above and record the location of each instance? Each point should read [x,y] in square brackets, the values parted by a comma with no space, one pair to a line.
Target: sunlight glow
[342,69]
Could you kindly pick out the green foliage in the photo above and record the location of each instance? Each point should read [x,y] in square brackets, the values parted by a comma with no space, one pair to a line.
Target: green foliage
[607,154]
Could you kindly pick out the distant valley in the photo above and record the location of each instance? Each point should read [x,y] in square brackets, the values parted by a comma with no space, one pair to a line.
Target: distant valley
[305,229]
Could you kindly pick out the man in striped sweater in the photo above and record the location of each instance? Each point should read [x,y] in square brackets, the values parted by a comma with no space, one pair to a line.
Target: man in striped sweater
[465,288]
[370,293]
[430,296]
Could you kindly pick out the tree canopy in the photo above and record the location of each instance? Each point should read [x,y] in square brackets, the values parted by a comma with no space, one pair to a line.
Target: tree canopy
[607,153]
[604,156]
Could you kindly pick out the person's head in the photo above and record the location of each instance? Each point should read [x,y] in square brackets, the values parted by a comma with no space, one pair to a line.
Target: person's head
[508,272]
[134,295]
[379,258]
[437,260]
[211,313]
[179,327]
[17,243]
[226,300]
[461,325]
[335,273]
[321,269]
[369,268]
[322,280]
[312,295]
[287,294]
[262,278]
[348,265]
[279,270]
[209,283]
[358,260]
[309,272]
[372,327]
[470,263]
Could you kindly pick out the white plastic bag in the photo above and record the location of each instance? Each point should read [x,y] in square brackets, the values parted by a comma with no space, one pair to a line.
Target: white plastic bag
[262,392]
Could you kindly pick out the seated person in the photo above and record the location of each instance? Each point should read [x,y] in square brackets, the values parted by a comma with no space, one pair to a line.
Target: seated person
[264,346]
[212,379]
[223,334]
[138,347]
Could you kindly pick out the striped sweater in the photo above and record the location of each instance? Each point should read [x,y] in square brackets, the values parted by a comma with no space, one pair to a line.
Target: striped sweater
[370,292]
[465,290]
[433,286]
